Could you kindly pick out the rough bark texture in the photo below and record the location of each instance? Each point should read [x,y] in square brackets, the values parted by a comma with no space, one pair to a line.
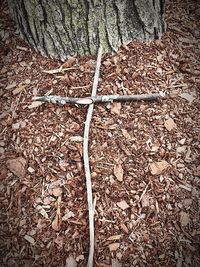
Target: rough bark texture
[59,28]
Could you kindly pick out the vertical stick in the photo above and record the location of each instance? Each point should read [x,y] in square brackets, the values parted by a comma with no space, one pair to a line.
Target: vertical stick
[86,161]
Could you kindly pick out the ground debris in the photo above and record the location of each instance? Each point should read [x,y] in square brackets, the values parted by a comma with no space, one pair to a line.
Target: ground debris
[144,156]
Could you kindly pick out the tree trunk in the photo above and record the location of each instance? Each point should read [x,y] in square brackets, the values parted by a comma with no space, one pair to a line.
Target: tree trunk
[59,28]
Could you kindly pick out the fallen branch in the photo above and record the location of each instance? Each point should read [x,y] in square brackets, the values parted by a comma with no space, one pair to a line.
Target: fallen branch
[97,99]
[59,70]
[86,161]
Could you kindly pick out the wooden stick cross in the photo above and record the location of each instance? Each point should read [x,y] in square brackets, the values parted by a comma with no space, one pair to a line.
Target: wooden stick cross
[90,101]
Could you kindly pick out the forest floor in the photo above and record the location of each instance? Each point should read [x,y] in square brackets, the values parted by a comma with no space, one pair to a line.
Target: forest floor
[144,156]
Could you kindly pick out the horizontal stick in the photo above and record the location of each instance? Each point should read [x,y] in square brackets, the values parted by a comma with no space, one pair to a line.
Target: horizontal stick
[98,99]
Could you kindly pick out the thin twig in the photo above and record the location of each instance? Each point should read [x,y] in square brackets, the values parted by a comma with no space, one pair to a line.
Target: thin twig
[59,70]
[86,161]
[97,99]
[79,87]
[15,108]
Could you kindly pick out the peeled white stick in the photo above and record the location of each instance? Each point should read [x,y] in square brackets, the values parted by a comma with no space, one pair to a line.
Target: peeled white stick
[86,161]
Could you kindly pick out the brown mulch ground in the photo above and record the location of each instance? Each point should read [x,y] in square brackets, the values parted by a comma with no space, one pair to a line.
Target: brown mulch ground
[144,156]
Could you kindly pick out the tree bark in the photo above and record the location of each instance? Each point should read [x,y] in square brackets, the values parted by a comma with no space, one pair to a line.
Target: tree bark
[59,28]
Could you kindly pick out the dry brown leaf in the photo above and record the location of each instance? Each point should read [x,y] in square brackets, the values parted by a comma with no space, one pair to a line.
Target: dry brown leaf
[80,258]
[2,150]
[170,124]
[116,263]
[57,191]
[187,203]
[159,71]
[197,171]
[16,125]
[31,170]
[68,215]
[18,90]
[157,168]
[70,262]
[114,246]
[42,211]
[124,228]
[29,239]
[116,108]
[35,104]
[181,150]
[70,62]
[56,224]
[145,200]
[125,134]
[118,172]
[189,97]
[17,166]
[114,237]
[122,205]
[77,138]
[11,86]
[187,187]
[184,218]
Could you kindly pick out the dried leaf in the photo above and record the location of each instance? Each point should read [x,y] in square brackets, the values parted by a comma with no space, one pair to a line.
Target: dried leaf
[76,138]
[118,172]
[29,239]
[184,218]
[197,171]
[179,262]
[181,150]
[116,263]
[56,224]
[67,216]
[114,246]
[186,187]
[122,205]
[80,258]
[11,86]
[31,170]
[18,90]
[17,166]
[114,237]
[170,124]
[157,168]
[124,228]
[16,125]
[187,203]
[189,97]
[70,62]
[116,107]
[27,81]
[70,262]
[2,150]
[125,134]
[57,191]
[35,104]
[182,141]
[145,200]
[42,211]
[159,71]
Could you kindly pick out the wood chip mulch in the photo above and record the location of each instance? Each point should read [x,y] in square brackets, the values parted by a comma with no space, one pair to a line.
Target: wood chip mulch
[144,156]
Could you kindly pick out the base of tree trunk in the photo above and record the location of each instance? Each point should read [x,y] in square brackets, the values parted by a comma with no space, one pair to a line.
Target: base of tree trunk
[61,28]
